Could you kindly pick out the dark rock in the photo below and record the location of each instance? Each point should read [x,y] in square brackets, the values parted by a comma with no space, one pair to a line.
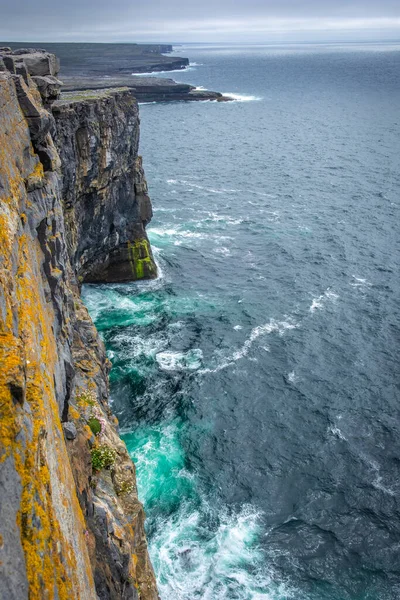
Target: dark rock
[9,62]
[39,120]
[20,69]
[69,431]
[49,88]
[145,89]
[97,139]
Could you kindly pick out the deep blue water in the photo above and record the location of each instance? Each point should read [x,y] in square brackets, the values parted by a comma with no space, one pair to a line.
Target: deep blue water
[257,380]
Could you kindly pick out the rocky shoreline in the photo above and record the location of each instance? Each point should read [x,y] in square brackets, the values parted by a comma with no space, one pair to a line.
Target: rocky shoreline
[146,89]
[104,66]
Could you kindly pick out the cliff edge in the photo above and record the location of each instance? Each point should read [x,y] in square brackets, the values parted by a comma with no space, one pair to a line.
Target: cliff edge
[73,208]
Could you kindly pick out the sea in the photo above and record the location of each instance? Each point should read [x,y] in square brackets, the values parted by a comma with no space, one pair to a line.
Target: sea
[257,380]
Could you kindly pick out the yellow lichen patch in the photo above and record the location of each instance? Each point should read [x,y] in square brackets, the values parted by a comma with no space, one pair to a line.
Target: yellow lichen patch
[73,413]
[10,414]
[38,170]
[41,534]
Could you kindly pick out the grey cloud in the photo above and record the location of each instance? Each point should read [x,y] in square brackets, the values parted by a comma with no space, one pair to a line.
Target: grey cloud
[208,20]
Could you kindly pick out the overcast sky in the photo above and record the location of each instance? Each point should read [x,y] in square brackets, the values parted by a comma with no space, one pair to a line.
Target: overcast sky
[200,20]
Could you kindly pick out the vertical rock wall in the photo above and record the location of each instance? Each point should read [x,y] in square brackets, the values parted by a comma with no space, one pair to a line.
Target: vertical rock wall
[105,194]
[71,525]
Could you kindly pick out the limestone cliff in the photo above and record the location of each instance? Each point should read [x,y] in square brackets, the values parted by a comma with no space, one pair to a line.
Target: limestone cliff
[71,525]
[105,196]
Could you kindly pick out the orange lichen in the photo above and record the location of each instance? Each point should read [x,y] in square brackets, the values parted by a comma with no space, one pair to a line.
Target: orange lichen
[38,170]
[57,563]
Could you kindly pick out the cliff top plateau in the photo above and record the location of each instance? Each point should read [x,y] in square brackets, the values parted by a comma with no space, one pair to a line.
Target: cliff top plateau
[99,66]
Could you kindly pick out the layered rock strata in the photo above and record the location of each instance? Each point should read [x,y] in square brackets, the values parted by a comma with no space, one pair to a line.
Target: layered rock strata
[145,89]
[71,524]
[105,196]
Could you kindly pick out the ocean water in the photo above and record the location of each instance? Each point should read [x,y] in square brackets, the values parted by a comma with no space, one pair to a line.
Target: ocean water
[257,380]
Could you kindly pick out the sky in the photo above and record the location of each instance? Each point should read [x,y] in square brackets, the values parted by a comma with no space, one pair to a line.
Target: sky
[254,21]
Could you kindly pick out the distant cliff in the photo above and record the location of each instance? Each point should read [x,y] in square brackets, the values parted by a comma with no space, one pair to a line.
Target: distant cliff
[73,208]
[99,66]
[108,59]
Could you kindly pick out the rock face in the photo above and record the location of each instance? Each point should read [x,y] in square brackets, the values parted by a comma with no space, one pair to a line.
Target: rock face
[71,524]
[105,196]
[145,89]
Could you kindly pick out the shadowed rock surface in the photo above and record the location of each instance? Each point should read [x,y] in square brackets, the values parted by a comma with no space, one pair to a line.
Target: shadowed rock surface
[106,201]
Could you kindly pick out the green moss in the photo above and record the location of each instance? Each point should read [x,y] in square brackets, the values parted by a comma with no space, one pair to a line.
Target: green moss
[94,425]
[141,261]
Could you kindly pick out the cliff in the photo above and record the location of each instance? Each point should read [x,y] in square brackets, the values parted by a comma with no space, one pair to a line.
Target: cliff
[145,89]
[109,59]
[100,66]
[71,524]
[97,136]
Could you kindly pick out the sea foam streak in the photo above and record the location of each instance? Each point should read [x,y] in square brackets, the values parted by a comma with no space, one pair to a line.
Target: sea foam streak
[242,97]
[273,326]
[319,302]
[190,67]
[180,361]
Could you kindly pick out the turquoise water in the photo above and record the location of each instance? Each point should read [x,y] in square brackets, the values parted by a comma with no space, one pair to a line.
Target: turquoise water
[257,380]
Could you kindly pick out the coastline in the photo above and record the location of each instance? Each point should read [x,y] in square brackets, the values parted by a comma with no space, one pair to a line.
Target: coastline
[105,66]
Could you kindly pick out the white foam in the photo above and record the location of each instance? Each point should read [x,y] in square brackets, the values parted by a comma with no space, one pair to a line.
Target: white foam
[190,67]
[174,232]
[226,563]
[192,185]
[242,97]
[360,282]
[135,346]
[273,326]
[223,250]
[181,235]
[319,302]
[334,430]
[377,483]
[180,361]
